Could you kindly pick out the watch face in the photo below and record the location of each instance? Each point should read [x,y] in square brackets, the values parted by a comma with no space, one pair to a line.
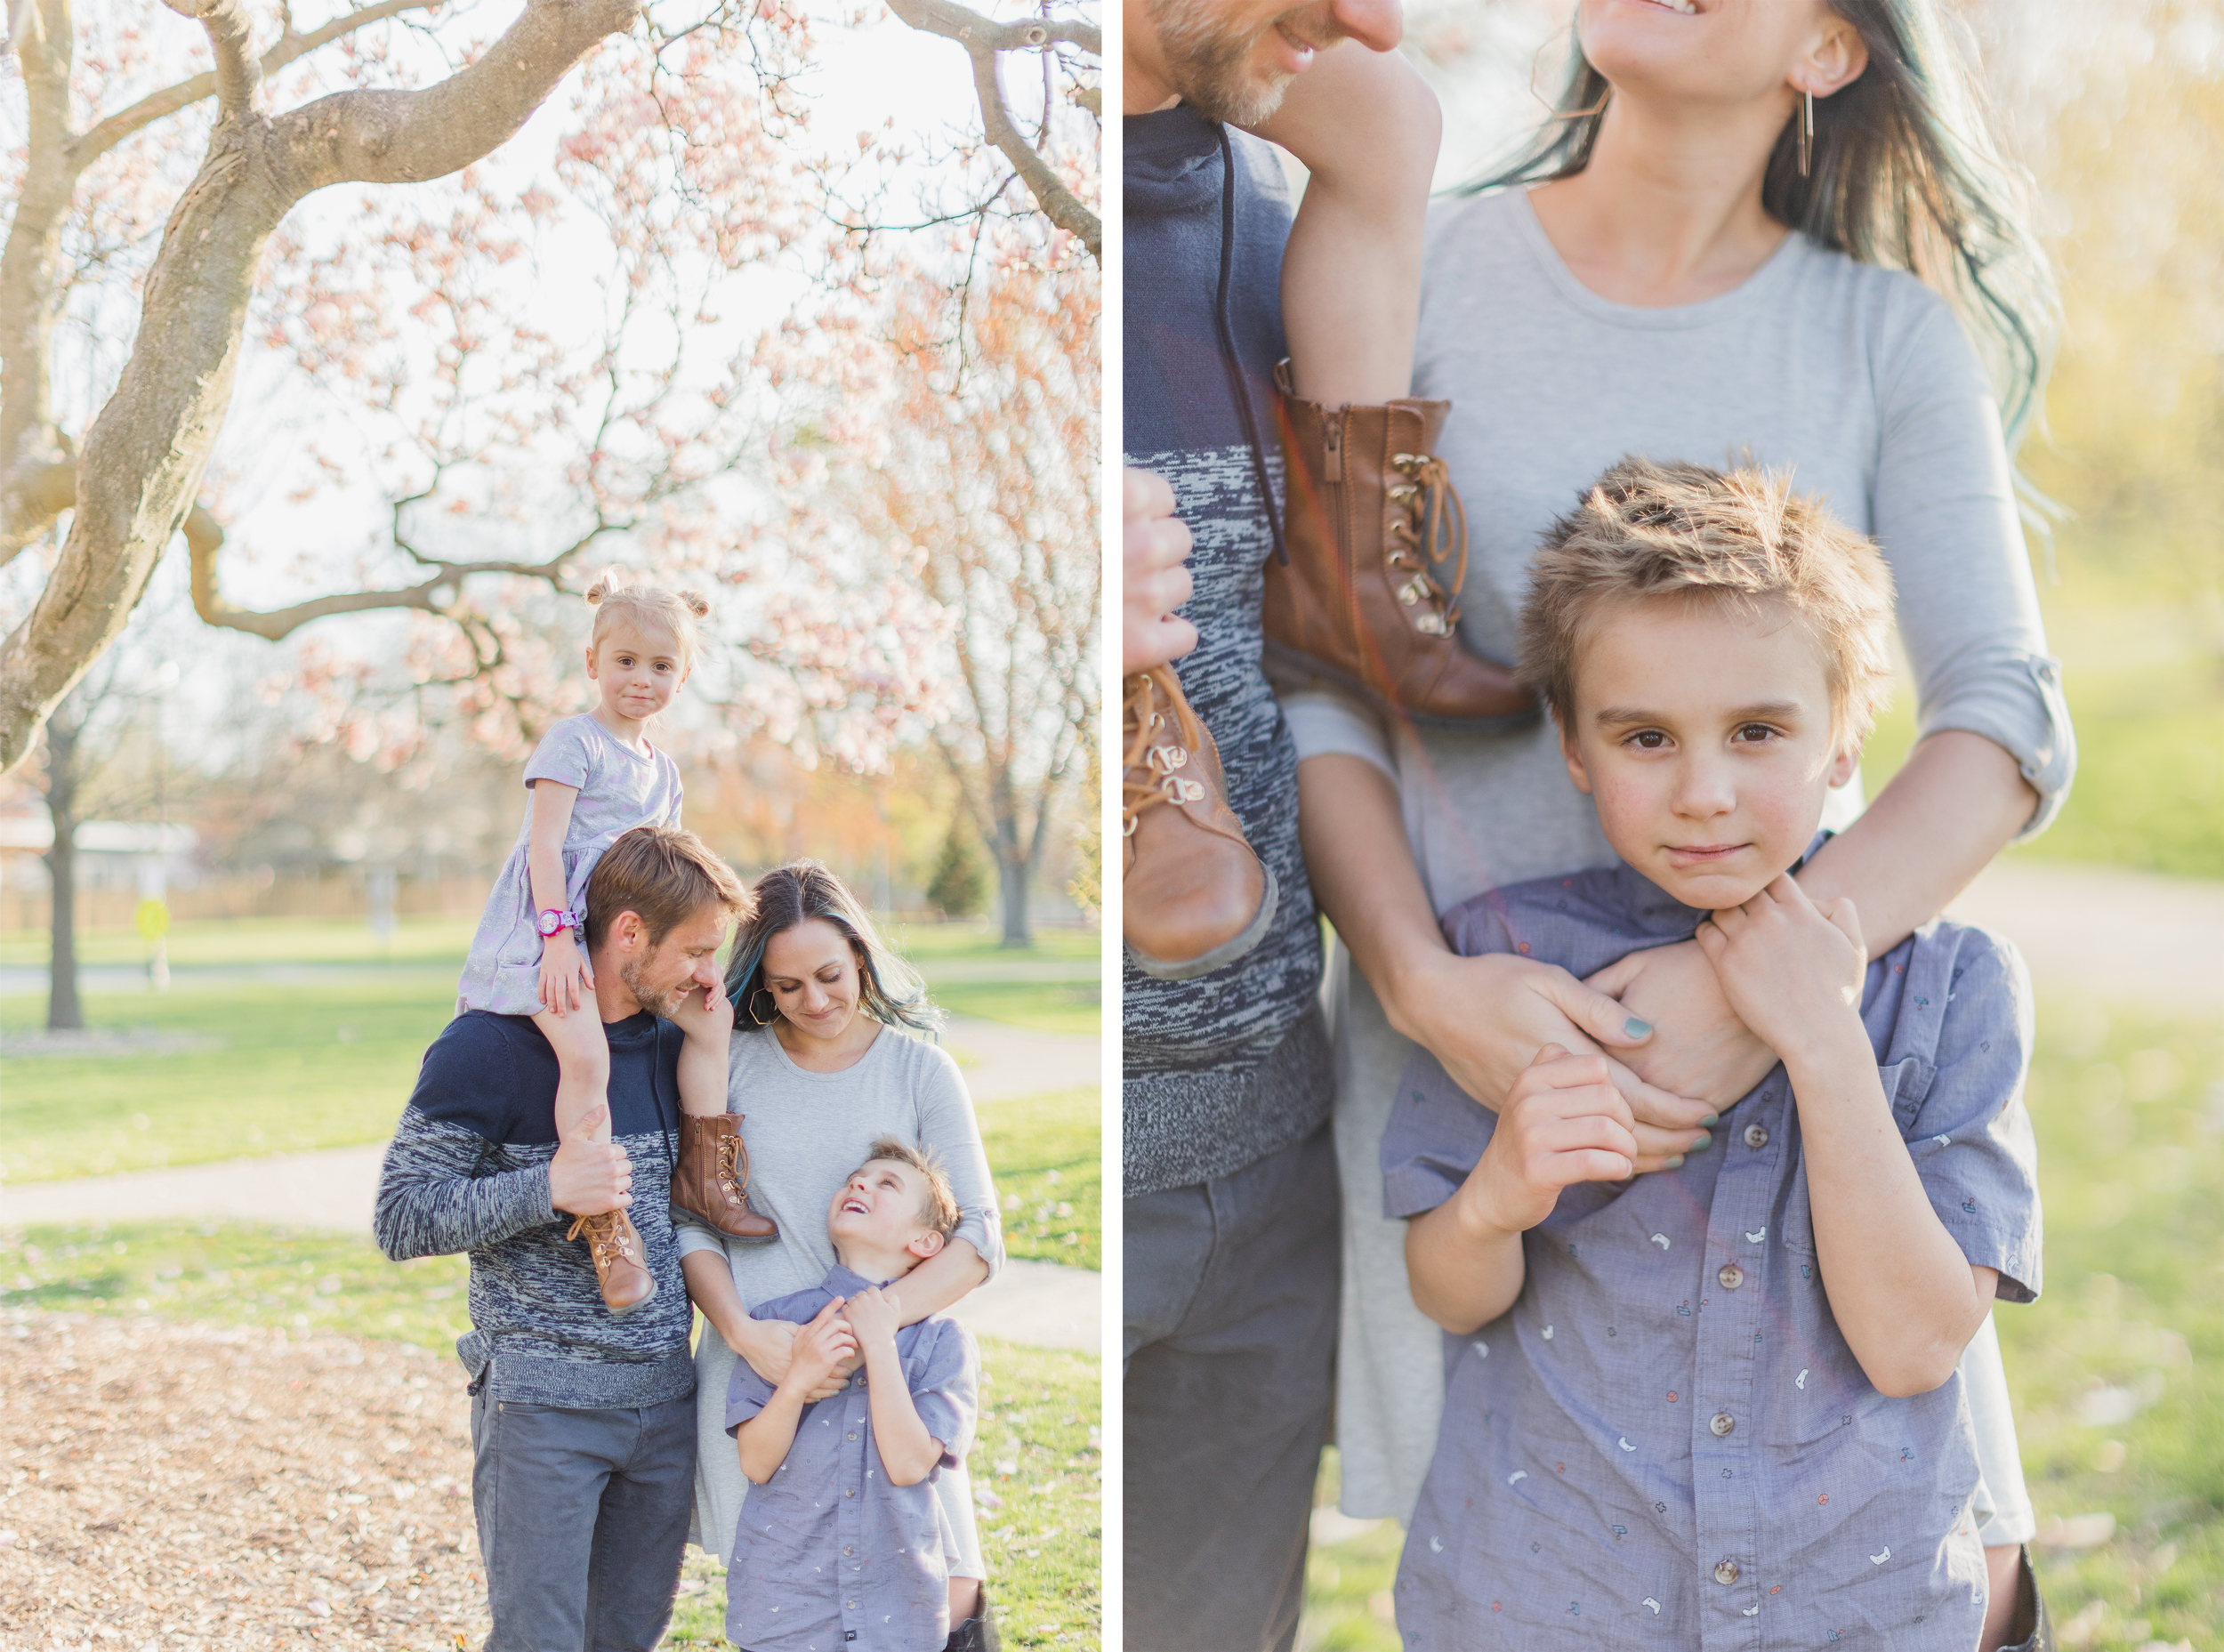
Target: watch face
[549,922]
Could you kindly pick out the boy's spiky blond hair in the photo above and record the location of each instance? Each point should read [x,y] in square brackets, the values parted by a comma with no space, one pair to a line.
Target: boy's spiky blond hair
[1742,537]
[938,1204]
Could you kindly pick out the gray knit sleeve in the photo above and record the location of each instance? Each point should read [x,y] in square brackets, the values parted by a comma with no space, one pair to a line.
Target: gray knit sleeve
[431,1202]
[1945,514]
[947,1125]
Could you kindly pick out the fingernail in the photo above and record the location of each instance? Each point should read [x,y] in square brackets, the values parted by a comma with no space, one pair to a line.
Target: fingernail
[1702,1144]
[1672,1162]
[1636,1028]
[1712,1119]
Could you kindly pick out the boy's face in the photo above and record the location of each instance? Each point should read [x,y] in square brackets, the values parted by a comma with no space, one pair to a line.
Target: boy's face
[1703,735]
[876,1215]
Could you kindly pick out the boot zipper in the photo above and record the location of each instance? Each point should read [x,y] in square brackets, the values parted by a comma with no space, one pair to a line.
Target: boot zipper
[1332,475]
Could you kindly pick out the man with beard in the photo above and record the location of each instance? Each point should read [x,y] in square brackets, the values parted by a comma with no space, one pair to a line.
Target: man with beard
[1231,1204]
[582,1422]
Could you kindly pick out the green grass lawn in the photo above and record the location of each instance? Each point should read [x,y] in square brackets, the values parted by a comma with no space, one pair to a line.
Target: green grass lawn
[2118,1370]
[1045,1152]
[1037,1450]
[2148,709]
[277,1066]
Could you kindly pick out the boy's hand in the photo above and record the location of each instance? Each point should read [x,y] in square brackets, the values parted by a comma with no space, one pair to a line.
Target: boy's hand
[875,1313]
[705,1015]
[820,1348]
[1792,969]
[1564,1122]
[1156,582]
[566,977]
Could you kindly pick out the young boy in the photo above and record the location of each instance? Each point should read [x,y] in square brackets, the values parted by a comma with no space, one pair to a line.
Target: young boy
[841,1545]
[1718,1406]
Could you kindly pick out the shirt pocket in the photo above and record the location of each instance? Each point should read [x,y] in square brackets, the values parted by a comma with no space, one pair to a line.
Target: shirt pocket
[1906,1086]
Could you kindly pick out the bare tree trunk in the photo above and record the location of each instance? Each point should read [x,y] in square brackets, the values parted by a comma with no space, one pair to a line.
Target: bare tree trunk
[63,1009]
[1014,872]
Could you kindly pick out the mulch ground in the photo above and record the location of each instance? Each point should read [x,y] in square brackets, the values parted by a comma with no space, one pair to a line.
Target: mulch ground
[196,1485]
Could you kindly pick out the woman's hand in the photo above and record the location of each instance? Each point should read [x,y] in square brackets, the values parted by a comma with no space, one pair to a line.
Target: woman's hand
[1699,1046]
[1487,1019]
[566,977]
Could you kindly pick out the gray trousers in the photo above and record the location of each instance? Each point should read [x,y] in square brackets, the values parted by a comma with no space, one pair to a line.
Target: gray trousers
[582,1517]
[1230,1338]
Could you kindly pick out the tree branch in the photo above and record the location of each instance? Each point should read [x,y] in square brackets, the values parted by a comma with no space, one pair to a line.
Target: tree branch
[231,37]
[142,459]
[1059,204]
[26,267]
[120,126]
[977,33]
[984,39]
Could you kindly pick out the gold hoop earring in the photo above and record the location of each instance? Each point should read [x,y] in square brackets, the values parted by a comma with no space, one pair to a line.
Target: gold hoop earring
[1598,107]
[1550,112]
[1807,134]
[764,1020]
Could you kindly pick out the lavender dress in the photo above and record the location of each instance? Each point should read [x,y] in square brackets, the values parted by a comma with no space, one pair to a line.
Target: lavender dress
[619,789]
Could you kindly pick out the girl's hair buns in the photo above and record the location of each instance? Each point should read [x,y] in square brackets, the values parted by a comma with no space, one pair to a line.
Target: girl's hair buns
[650,607]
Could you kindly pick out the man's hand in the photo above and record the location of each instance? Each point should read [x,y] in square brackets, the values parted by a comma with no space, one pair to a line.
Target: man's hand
[566,976]
[874,1313]
[1486,1019]
[704,1014]
[1789,968]
[587,1178]
[1154,581]
[1564,1122]
[820,1348]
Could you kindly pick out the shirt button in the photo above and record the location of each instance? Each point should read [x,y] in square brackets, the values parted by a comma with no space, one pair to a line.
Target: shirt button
[1721,1423]
[850,1491]
[846,1549]
[1756,1137]
[853,1434]
[1731,1275]
[1726,1572]
[850,1605]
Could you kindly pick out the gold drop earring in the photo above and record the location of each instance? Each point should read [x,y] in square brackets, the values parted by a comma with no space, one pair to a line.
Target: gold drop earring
[1807,133]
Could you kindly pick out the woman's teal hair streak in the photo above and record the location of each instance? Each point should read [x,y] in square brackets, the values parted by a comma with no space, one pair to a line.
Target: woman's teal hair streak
[1904,174]
[889,989]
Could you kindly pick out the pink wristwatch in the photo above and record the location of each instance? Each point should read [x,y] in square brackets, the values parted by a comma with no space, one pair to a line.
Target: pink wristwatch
[554,919]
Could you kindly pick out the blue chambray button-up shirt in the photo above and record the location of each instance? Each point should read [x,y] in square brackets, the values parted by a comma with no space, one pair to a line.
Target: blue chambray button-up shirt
[1665,1442]
[830,1555]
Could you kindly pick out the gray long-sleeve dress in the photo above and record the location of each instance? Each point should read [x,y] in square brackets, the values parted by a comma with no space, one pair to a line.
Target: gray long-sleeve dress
[806,1132]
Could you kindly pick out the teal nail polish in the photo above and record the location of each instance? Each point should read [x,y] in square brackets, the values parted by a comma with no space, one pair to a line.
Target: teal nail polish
[1702,1144]
[1711,1120]
[1672,1161]
[1636,1028]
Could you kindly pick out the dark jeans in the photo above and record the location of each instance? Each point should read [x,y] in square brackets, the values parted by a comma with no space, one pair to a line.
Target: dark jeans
[1230,1311]
[583,1518]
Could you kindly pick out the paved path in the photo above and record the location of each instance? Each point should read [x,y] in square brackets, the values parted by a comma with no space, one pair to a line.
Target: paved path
[1038,1303]
[2118,935]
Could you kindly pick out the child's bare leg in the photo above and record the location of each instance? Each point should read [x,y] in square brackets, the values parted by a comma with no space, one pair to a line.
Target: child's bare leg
[583,1060]
[964,1600]
[2003,1572]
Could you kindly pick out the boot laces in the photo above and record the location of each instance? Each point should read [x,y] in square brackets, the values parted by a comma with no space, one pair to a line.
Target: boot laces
[1435,523]
[1151,773]
[602,1235]
[730,1180]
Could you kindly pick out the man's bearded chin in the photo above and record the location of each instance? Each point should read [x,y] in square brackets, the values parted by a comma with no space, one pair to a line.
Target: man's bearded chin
[659,1002]
[1209,65]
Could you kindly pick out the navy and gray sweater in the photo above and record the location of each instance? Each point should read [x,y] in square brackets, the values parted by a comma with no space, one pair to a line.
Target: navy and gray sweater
[1223,1070]
[467,1170]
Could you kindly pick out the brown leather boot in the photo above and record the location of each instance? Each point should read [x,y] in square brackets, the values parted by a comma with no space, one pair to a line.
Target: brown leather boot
[713,1178]
[619,1265]
[1371,519]
[1194,895]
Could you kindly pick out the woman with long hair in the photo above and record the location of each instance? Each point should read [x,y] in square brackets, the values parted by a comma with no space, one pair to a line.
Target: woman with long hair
[823,1060]
[1774,231]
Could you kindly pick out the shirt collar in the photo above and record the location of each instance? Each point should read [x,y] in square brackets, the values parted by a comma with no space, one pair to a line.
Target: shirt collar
[841,1282]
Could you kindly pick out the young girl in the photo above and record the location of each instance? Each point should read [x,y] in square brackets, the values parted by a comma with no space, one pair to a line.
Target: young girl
[592,777]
